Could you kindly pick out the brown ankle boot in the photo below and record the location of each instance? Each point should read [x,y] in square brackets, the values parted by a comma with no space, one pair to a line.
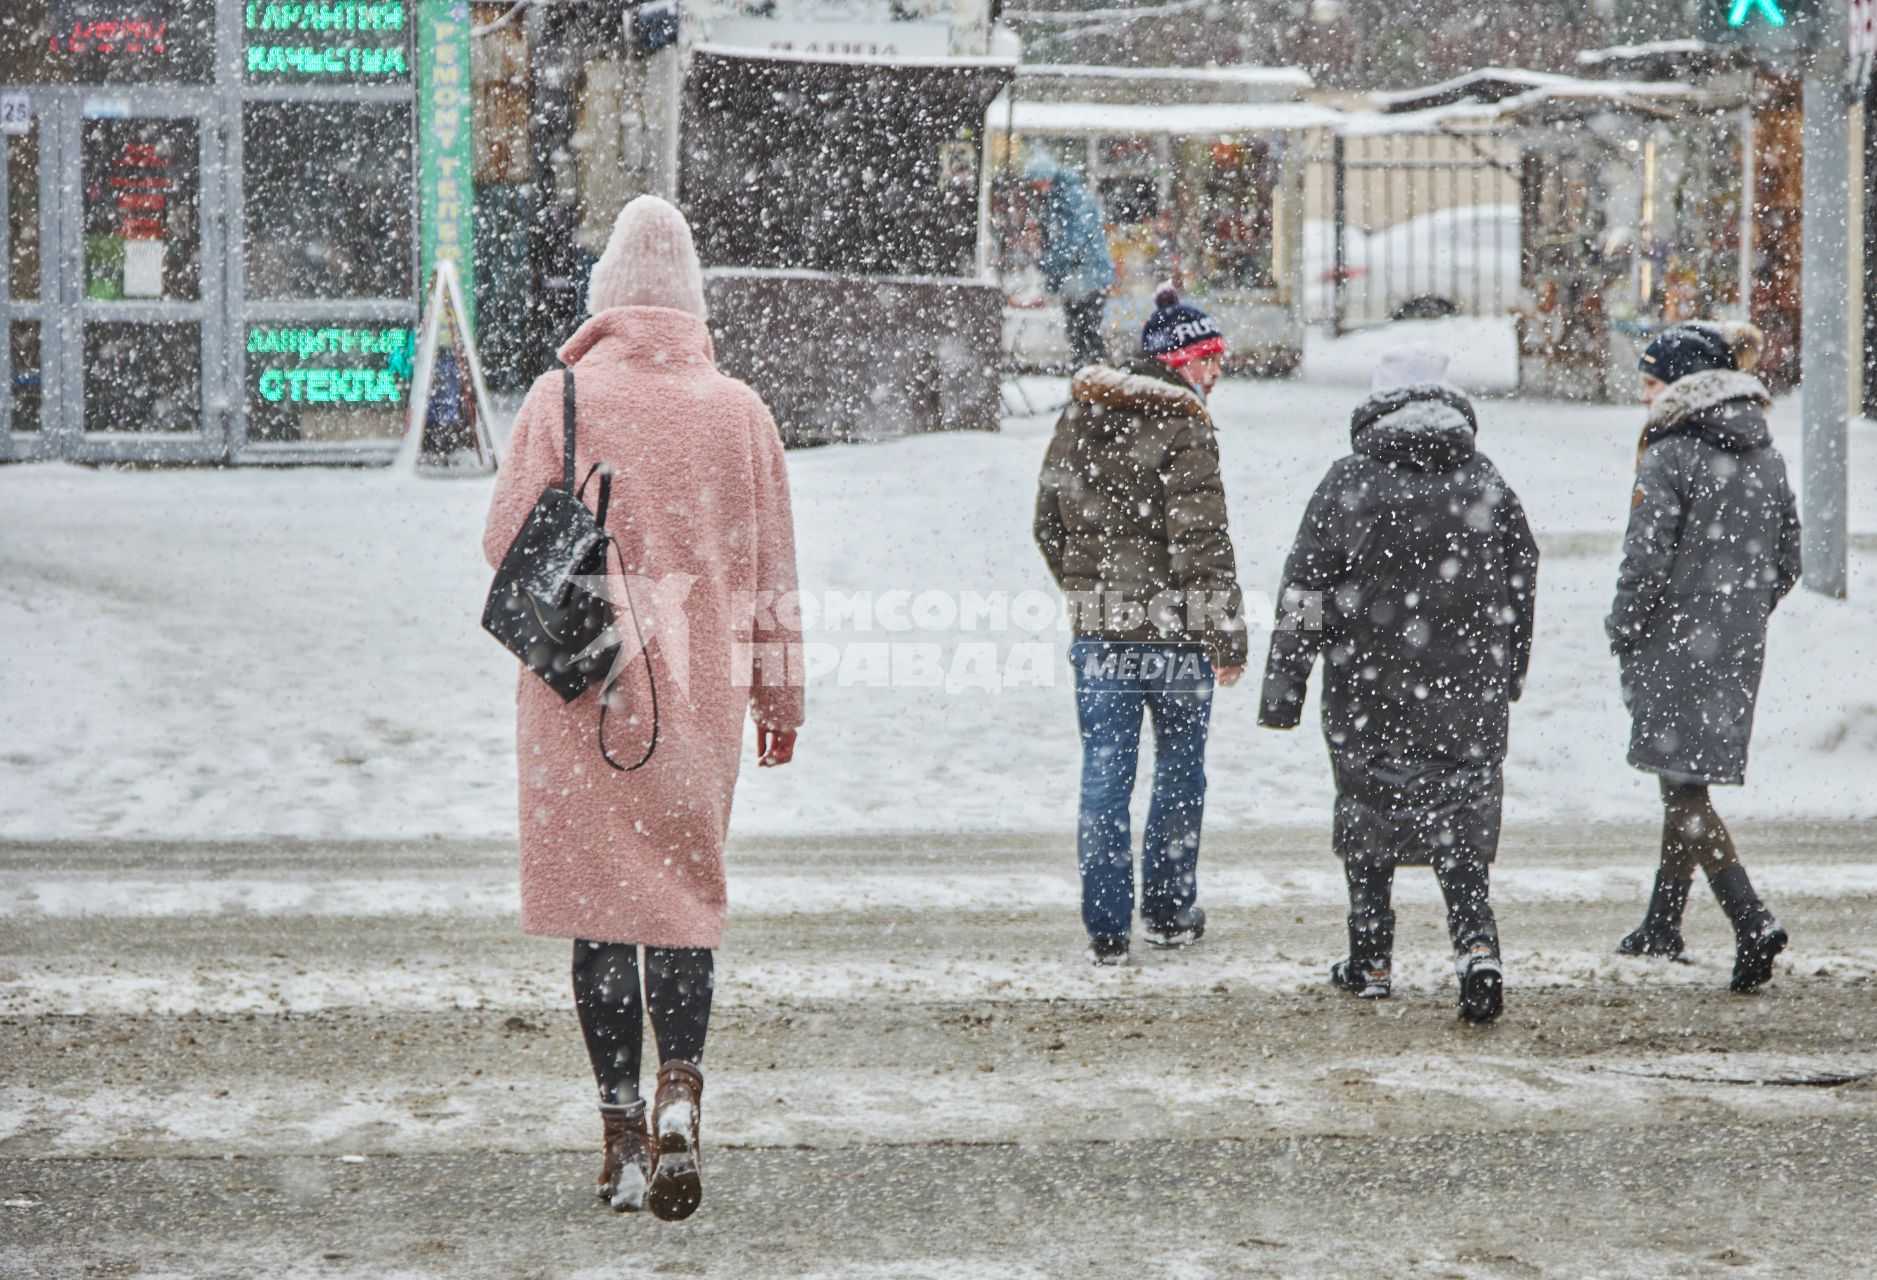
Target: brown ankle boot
[677,1186]
[627,1170]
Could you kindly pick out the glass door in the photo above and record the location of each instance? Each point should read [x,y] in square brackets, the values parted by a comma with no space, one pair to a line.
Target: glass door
[142,275]
[24,409]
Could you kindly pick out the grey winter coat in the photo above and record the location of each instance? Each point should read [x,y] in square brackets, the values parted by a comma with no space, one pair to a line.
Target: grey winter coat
[1130,513]
[1713,544]
[1427,574]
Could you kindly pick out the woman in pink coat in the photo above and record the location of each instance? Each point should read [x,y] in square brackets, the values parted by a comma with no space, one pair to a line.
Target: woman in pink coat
[623,860]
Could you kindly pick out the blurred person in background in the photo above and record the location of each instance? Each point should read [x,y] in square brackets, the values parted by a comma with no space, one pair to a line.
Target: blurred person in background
[1076,265]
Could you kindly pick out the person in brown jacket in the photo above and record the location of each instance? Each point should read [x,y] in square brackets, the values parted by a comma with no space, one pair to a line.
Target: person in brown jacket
[1130,515]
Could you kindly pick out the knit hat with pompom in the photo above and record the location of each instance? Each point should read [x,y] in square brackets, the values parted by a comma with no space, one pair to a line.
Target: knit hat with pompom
[649,262]
[1179,332]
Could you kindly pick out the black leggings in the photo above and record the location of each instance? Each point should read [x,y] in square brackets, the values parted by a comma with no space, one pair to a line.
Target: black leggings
[1692,833]
[677,988]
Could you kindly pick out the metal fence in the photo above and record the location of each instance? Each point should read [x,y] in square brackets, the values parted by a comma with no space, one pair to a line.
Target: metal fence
[1419,225]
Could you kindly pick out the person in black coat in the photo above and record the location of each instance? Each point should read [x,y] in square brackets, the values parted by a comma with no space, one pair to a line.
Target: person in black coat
[1712,547]
[1414,573]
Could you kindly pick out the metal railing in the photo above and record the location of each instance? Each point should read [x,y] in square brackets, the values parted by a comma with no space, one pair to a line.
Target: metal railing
[1420,225]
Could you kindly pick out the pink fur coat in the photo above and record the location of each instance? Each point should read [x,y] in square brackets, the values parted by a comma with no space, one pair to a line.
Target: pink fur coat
[700,508]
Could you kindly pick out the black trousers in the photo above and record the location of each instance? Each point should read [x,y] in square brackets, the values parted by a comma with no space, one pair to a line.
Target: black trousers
[1392,813]
[613,1000]
[1465,882]
[1082,318]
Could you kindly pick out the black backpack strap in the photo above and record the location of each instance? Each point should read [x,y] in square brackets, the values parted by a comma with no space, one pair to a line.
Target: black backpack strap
[638,633]
[567,430]
[567,453]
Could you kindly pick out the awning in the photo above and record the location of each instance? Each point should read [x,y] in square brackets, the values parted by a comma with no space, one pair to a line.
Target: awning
[1198,120]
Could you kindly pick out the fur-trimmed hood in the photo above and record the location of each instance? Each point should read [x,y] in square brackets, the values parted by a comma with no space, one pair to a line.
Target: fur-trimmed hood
[1726,407]
[1145,387]
[1428,426]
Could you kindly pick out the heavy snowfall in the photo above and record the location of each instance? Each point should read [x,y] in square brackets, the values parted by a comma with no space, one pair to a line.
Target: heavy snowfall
[929,640]
[266,1011]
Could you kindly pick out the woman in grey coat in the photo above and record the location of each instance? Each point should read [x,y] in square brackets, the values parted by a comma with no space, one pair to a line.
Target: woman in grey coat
[1417,554]
[1713,544]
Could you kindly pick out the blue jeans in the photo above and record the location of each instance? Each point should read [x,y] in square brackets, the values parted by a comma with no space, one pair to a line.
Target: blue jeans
[1114,682]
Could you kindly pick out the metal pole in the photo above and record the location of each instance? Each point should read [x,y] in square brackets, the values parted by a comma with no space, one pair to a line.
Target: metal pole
[1825,277]
[1870,248]
[1339,221]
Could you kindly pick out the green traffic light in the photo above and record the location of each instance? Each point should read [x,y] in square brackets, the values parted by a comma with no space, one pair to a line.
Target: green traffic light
[1743,9]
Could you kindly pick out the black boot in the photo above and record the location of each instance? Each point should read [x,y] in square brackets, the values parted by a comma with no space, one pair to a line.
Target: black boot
[1482,982]
[1659,934]
[1371,948]
[1757,936]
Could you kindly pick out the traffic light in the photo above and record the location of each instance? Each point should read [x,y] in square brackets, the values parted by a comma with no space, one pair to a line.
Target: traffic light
[1765,26]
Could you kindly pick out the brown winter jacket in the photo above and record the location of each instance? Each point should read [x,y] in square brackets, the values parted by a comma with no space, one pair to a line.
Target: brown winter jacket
[1130,513]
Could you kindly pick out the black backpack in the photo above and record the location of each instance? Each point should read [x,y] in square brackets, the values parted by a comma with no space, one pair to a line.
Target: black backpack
[543,605]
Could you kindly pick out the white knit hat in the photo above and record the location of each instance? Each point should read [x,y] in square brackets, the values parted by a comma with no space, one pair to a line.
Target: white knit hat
[1408,365]
[649,262]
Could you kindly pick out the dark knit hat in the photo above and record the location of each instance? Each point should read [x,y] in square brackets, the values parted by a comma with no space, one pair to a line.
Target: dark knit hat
[1178,331]
[1684,349]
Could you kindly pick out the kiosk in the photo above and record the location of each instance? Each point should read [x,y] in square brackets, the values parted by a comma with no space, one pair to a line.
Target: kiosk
[837,200]
[1200,177]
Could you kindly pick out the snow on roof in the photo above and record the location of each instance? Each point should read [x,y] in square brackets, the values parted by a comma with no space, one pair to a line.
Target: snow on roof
[1652,49]
[1139,118]
[1453,103]
[843,277]
[1488,84]
[851,59]
[1295,77]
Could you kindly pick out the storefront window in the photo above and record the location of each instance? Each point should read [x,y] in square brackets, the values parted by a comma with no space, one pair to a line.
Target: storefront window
[335,42]
[107,41]
[327,383]
[143,377]
[24,340]
[142,210]
[22,208]
[329,200]
[1238,186]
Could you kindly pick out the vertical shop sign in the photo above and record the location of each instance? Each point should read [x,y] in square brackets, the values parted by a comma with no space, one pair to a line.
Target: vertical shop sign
[445,144]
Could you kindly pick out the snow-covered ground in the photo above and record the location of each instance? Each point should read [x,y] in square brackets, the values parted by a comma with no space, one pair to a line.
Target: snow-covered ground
[297,652]
[295,1059]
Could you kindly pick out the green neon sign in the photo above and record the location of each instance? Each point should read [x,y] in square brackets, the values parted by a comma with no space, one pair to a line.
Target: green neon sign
[264,59]
[1743,10]
[344,15]
[331,366]
[446,152]
[338,39]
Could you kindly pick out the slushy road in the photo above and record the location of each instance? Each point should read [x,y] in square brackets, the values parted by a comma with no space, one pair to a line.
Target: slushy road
[343,1059]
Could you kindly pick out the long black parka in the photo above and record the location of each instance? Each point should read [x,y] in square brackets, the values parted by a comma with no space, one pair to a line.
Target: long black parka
[1712,546]
[1414,574]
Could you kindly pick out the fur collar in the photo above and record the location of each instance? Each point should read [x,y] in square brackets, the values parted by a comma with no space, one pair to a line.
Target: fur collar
[1697,392]
[1135,392]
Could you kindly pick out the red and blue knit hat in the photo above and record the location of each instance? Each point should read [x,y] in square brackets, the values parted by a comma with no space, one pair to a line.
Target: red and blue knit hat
[1179,332]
